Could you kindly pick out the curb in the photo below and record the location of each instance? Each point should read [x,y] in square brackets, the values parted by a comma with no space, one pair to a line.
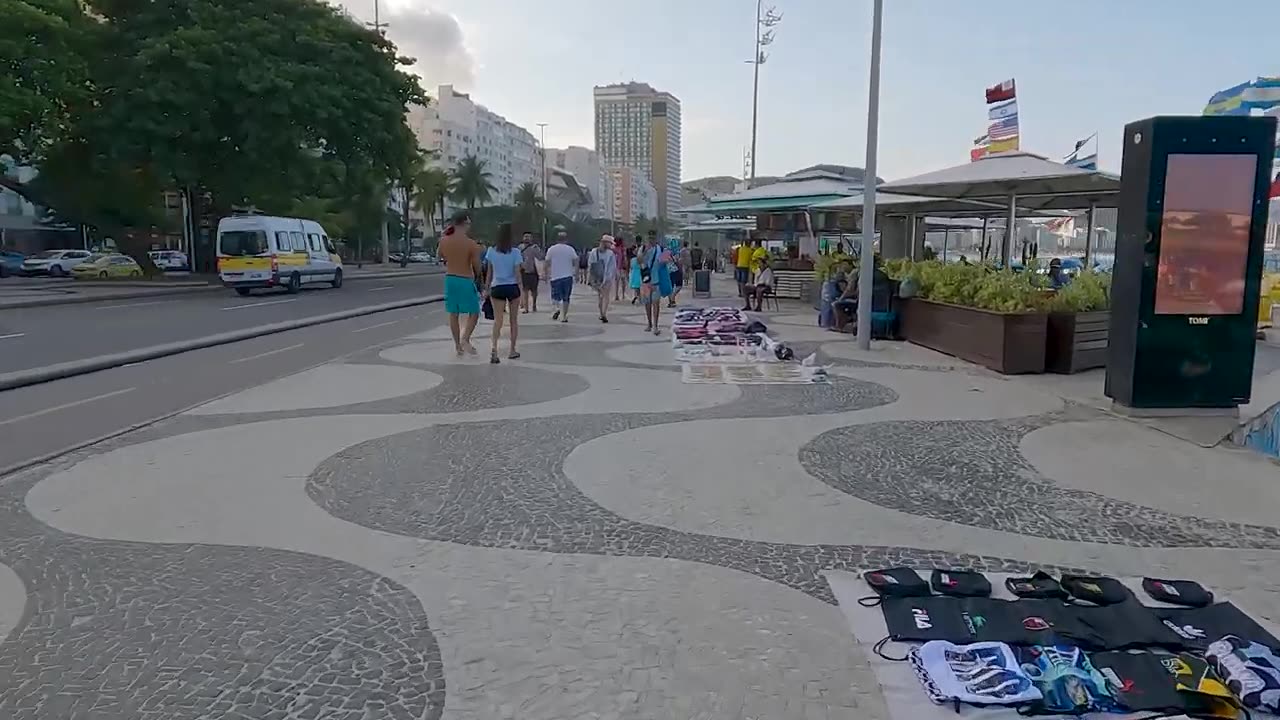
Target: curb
[35,376]
[178,290]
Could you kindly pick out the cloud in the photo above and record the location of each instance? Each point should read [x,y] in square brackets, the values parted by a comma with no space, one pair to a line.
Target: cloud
[433,38]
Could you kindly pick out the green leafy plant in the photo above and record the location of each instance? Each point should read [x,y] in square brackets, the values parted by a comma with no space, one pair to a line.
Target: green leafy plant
[1087,292]
[826,265]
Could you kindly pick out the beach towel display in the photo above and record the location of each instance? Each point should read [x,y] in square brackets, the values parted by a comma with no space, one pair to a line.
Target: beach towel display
[1068,683]
[977,674]
[1251,671]
[1120,657]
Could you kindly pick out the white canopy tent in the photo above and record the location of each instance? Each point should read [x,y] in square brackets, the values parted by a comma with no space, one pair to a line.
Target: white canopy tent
[1017,180]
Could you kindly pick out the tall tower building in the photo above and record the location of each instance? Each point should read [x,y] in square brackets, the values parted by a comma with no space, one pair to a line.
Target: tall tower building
[639,127]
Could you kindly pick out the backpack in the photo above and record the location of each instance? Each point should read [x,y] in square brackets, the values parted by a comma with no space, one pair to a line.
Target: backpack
[596,268]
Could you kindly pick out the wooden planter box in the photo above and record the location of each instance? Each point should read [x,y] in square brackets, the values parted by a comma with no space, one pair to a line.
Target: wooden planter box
[1077,341]
[1009,343]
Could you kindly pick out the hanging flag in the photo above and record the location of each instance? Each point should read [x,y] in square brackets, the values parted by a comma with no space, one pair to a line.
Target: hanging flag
[1003,91]
[1088,161]
[979,149]
[1003,128]
[1228,102]
[1003,110]
[1262,94]
[999,146]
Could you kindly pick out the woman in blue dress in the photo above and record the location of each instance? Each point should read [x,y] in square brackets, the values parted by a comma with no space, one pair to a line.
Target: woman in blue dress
[634,279]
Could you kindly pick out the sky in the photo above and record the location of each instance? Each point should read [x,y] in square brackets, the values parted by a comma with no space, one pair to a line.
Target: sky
[1081,67]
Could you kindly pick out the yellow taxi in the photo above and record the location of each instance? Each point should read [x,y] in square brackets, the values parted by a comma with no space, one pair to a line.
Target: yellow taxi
[107,265]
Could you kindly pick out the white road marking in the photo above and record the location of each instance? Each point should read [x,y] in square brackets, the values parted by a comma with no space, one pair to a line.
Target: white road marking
[12,335]
[269,352]
[371,327]
[65,406]
[382,287]
[125,305]
[259,304]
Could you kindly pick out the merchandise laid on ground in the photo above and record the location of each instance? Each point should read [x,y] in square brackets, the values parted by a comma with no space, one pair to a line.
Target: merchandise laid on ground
[1008,646]
[722,345]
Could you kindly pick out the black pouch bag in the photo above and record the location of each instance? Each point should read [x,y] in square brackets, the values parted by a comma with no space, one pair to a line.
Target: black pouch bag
[1039,586]
[1096,589]
[1141,681]
[1177,592]
[896,582]
[960,583]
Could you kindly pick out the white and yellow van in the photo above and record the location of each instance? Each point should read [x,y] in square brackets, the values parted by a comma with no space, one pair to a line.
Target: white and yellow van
[260,251]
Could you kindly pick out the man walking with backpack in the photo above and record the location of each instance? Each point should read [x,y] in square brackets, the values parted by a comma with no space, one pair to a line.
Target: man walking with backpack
[602,274]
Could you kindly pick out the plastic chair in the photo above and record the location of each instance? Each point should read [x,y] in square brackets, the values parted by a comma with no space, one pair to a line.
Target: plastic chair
[770,295]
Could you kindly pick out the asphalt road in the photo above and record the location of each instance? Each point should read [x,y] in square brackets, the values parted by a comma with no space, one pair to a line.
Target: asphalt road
[41,336]
[38,420]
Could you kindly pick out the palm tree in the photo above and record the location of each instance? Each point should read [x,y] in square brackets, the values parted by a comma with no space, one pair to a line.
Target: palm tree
[434,185]
[529,206]
[471,182]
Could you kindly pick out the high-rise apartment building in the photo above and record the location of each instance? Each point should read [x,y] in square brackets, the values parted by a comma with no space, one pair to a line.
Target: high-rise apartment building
[639,127]
[590,171]
[454,126]
[633,195]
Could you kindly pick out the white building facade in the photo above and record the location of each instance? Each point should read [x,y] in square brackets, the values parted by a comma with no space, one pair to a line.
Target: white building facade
[590,171]
[639,127]
[633,195]
[454,126]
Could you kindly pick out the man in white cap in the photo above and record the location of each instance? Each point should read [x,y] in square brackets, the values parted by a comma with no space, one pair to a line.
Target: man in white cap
[602,274]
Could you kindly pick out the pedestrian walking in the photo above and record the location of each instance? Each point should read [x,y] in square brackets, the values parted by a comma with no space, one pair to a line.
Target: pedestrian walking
[461,257]
[651,270]
[620,253]
[502,289]
[602,273]
[633,278]
[531,260]
[562,265]
[582,266]
[676,266]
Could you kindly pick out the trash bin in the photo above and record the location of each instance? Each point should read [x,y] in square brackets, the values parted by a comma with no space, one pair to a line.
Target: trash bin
[702,283]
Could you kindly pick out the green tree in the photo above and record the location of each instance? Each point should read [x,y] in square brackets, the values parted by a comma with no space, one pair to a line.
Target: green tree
[43,47]
[243,102]
[529,208]
[471,184]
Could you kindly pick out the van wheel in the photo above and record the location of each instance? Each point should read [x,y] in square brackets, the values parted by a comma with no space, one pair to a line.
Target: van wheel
[295,283]
[56,271]
[337,279]
[103,275]
[242,292]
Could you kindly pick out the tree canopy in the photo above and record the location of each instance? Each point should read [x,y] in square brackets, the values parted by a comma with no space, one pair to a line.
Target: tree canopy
[471,184]
[271,103]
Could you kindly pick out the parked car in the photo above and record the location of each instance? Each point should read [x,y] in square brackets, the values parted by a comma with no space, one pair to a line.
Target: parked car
[422,257]
[107,265]
[10,263]
[169,260]
[55,263]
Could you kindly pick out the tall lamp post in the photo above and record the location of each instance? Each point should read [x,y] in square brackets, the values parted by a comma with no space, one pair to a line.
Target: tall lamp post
[765,20]
[866,260]
[542,127]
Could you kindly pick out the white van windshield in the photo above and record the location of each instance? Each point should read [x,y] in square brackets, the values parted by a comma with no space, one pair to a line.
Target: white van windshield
[240,243]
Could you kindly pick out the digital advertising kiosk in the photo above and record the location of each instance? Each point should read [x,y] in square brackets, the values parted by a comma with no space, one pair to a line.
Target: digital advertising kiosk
[1188,265]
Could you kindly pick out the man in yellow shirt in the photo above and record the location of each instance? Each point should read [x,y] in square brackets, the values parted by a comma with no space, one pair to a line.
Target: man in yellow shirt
[742,269]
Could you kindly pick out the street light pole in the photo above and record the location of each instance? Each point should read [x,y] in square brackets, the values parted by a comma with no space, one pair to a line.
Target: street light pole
[543,128]
[764,37]
[866,260]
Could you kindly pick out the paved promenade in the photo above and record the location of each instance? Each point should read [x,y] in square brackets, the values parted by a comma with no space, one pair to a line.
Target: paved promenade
[576,534]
